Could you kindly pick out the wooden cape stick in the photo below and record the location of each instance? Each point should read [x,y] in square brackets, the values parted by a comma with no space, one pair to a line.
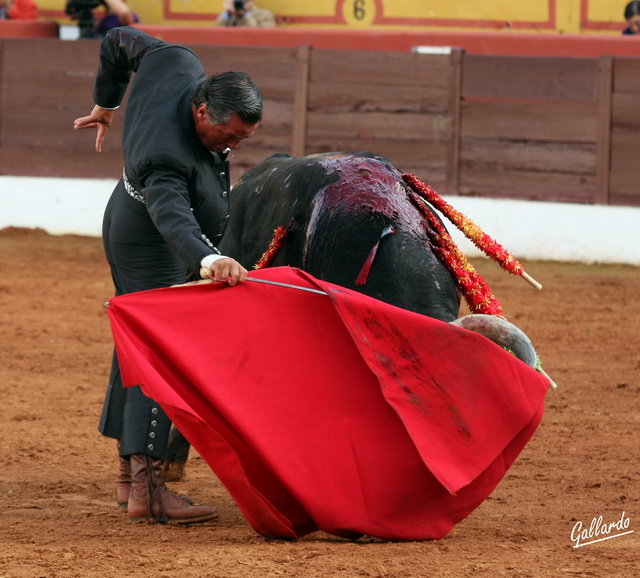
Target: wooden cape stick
[206,272]
[470,230]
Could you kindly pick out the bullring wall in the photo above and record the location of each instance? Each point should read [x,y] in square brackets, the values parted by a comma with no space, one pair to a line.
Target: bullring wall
[526,128]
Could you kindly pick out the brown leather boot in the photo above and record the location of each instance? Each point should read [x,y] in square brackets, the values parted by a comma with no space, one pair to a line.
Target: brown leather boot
[123,484]
[151,499]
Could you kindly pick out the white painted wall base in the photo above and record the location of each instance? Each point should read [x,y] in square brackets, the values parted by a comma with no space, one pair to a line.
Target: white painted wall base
[59,206]
[529,230]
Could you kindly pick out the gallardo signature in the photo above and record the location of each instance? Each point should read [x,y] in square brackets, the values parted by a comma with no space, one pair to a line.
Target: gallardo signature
[599,531]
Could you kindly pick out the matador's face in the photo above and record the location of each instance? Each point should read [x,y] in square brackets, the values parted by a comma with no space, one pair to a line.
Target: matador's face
[218,137]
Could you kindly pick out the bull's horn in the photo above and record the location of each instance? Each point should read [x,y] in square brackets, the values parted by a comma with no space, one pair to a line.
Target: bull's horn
[503,333]
[506,335]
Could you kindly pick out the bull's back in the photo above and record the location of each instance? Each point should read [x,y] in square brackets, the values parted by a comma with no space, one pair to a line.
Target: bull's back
[279,191]
[336,207]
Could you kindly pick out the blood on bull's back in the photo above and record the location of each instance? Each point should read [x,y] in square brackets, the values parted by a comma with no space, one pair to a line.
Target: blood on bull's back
[348,220]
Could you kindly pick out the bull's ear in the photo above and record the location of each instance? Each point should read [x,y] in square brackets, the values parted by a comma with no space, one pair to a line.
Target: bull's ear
[503,333]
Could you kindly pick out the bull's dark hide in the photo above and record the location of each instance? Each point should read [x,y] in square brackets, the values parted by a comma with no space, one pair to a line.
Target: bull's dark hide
[336,207]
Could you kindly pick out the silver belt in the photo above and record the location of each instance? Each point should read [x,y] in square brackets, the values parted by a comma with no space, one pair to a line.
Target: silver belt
[129,188]
[138,197]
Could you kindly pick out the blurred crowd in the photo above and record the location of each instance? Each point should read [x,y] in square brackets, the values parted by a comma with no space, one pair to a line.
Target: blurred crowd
[18,9]
[245,13]
[118,13]
[234,13]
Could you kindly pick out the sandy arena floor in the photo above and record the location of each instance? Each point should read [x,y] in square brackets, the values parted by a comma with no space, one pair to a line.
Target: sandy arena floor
[57,513]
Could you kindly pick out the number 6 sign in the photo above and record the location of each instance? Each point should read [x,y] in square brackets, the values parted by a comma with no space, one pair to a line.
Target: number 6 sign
[359,13]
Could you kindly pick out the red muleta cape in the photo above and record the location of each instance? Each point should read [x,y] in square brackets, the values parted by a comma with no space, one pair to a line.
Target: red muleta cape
[338,413]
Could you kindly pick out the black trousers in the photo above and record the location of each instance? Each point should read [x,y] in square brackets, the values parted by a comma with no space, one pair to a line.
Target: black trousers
[139,259]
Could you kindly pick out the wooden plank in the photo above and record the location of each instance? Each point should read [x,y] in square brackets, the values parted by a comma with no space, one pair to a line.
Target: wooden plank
[25,127]
[624,111]
[252,153]
[626,75]
[530,78]
[382,68]
[625,167]
[70,95]
[603,162]
[57,75]
[425,154]
[380,125]
[277,115]
[500,155]
[552,121]
[515,132]
[272,69]
[433,177]
[73,153]
[625,200]
[277,140]
[455,110]
[22,160]
[33,161]
[301,102]
[275,88]
[624,143]
[424,159]
[45,102]
[274,78]
[624,181]
[366,97]
[257,62]
[528,186]
[45,55]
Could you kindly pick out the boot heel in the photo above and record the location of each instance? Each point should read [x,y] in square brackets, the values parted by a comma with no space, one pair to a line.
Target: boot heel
[151,499]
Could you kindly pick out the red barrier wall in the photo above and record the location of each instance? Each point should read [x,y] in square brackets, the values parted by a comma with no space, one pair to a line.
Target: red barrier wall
[28,29]
[497,43]
[502,43]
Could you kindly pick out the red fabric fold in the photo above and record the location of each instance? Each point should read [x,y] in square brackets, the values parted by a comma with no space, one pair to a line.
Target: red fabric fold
[339,413]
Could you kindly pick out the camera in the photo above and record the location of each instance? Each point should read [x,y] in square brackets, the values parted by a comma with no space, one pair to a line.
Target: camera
[238,5]
[82,11]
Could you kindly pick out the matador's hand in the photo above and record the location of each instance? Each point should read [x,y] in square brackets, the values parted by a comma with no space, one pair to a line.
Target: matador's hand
[99,118]
[226,269]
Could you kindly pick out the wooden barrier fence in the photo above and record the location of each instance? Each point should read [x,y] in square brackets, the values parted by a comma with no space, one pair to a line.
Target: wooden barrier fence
[543,128]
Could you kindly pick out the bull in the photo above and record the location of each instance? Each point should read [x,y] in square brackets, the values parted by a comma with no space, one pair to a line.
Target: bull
[349,219]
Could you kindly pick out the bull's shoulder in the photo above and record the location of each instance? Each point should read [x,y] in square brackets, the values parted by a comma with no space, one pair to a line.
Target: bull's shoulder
[310,173]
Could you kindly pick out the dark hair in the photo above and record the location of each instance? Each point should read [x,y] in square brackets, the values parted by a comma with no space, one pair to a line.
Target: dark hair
[229,93]
[632,9]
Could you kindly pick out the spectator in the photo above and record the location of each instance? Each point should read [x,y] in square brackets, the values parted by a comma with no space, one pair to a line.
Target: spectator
[118,14]
[632,16]
[18,9]
[245,13]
